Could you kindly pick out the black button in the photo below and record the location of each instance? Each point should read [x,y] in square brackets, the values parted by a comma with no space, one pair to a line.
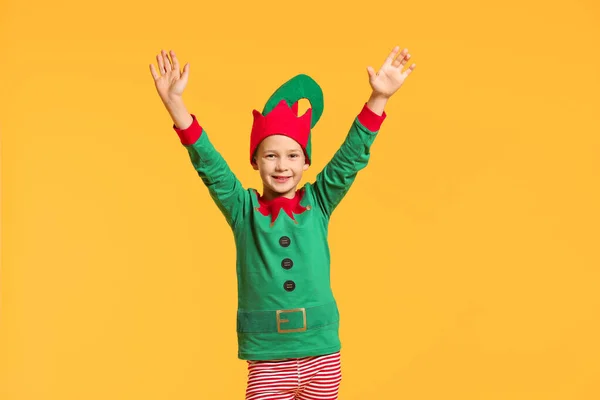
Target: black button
[287,263]
[289,286]
[284,241]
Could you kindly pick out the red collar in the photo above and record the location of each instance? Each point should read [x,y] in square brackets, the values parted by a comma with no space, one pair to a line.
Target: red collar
[289,206]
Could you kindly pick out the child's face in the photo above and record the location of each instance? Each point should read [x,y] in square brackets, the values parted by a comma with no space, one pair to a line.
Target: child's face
[281,162]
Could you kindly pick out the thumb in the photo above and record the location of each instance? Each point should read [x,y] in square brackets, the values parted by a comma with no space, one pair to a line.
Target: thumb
[186,72]
[371,72]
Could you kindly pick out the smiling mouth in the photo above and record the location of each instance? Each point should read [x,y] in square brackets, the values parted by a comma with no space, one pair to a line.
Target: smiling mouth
[281,178]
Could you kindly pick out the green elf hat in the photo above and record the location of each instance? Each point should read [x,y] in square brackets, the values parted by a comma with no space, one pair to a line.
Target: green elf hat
[280,115]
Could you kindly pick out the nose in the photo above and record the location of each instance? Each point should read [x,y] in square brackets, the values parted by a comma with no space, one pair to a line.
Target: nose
[280,165]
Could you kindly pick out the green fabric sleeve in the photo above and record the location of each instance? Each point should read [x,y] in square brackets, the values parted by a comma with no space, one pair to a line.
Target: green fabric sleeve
[336,178]
[225,189]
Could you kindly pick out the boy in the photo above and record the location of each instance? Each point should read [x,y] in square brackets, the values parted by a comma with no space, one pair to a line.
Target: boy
[287,319]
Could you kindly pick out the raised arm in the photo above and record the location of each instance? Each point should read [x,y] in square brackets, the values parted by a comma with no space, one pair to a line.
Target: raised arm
[334,181]
[224,188]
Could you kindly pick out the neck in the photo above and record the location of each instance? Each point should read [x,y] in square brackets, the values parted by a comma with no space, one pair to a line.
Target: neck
[269,194]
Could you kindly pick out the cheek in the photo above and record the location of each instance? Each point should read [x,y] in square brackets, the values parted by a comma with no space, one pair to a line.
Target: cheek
[265,168]
[299,168]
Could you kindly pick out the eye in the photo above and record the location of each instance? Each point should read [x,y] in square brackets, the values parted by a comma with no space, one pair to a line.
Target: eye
[294,155]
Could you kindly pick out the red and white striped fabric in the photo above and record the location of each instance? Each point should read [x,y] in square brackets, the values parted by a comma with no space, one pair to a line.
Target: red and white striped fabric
[308,378]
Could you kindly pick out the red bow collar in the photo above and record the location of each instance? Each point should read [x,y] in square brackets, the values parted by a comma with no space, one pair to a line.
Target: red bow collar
[289,206]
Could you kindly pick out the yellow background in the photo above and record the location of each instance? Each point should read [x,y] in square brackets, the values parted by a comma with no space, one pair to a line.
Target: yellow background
[465,258]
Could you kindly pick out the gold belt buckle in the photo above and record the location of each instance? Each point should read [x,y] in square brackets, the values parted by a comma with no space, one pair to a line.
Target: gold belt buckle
[293,310]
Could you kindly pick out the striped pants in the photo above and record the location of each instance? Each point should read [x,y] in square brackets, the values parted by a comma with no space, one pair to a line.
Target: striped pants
[305,378]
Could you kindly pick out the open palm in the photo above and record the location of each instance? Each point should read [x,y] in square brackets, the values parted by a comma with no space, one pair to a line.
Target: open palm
[390,76]
[169,80]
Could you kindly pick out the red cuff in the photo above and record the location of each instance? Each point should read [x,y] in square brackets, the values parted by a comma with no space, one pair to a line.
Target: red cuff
[370,120]
[191,134]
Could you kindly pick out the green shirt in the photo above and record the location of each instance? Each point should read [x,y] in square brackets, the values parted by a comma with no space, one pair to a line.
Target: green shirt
[286,308]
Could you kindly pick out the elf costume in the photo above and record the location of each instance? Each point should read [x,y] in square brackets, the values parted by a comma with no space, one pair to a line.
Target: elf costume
[286,308]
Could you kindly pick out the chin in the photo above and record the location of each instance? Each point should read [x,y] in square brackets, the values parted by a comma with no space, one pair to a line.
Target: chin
[283,190]
[279,189]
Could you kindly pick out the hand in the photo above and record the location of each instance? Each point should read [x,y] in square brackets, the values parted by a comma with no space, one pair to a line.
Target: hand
[390,77]
[170,82]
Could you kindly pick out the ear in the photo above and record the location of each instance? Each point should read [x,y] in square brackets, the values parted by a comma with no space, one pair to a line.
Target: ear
[305,167]
[254,165]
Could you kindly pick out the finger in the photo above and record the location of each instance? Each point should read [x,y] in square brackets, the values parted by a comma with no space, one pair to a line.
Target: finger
[403,54]
[390,58]
[410,70]
[404,60]
[155,74]
[175,61]
[401,59]
[161,64]
[168,66]
[186,72]
[371,72]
